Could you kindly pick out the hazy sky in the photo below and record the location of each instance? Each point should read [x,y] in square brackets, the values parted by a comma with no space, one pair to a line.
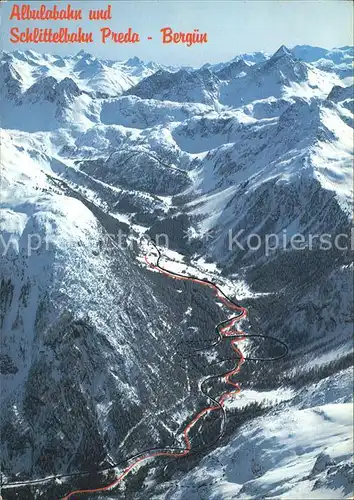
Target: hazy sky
[233,27]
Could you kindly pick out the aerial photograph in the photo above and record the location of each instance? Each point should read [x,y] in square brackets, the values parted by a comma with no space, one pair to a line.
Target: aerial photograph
[176,250]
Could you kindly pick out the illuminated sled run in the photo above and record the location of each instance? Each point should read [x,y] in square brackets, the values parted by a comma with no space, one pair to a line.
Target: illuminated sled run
[225,331]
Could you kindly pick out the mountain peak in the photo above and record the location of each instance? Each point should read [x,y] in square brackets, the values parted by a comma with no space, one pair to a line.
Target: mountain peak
[50,89]
[339,93]
[83,54]
[282,51]
[10,80]
[232,70]
[284,66]
[69,87]
[184,85]
[134,61]
[44,89]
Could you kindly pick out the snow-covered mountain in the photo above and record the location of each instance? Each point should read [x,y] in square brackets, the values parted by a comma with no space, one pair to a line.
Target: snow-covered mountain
[338,60]
[181,86]
[232,70]
[103,77]
[96,153]
[250,58]
[237,83]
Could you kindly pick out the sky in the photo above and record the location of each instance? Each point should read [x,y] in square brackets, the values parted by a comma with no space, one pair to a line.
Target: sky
[232,27]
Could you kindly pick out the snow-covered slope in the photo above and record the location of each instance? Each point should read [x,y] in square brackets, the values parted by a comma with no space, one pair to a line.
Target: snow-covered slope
[301,449]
